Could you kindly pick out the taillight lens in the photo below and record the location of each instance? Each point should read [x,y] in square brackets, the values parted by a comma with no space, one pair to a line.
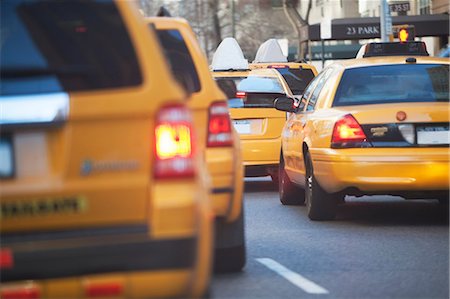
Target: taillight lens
[105,289]
[174,143]
[348,133]
[26,292]
[219,125]
[241,94]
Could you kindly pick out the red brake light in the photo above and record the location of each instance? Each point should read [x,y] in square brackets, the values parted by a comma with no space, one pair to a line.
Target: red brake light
[173,143]
[347,133]
[241,94]
[277,66]
[26,292]
[219,125]
[108,289]
[6,259]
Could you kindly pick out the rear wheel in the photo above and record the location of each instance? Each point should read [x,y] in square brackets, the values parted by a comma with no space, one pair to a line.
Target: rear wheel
[320,204]
[230,251]
[290,194]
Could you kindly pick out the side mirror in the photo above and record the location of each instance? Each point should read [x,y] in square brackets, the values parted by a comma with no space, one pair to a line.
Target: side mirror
[285,104]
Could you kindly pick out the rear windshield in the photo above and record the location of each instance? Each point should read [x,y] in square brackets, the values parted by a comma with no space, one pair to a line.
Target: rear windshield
[260,84]
[247,99]
[297,79]
[393,84]
[56,45]
[182,65]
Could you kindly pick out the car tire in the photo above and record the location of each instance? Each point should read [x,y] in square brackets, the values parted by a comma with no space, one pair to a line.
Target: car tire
[230,258]
[320,204]
[290,194]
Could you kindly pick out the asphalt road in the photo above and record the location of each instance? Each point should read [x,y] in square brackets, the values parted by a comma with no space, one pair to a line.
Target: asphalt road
[378,247]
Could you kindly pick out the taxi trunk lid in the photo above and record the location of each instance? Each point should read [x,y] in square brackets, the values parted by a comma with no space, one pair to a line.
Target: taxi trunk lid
[81,170]
[255,117]
[411,125]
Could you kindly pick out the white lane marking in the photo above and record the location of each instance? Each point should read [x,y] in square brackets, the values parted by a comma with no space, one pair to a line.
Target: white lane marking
[295,278]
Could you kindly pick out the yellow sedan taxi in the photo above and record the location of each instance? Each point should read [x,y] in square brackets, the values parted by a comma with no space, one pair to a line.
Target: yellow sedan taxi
[217,141]
[103,193]
[375,125]
[252,111]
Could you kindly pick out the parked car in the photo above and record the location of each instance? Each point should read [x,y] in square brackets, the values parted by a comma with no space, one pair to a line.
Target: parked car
[376,125]
[216,138]
[103,191]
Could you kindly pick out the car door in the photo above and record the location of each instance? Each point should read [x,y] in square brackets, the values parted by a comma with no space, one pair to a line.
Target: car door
[298,129]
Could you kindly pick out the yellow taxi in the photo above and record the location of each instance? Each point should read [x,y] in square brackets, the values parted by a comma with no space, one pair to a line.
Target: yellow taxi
[259,125]
[296,74]
[375,125]
[217,141]
[102,189]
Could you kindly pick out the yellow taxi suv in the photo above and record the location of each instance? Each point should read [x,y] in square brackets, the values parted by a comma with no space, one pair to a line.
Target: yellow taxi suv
[375,125]
[217,141]
[102,189]
[296,74]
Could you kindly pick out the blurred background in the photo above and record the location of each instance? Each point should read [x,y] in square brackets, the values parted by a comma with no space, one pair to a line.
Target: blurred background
[252,22]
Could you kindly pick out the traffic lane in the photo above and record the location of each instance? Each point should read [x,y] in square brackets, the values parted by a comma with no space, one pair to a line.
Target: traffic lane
[379,247]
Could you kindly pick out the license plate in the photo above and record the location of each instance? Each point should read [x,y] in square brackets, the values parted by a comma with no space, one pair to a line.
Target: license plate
[242,126]
[433,135]
[6,158]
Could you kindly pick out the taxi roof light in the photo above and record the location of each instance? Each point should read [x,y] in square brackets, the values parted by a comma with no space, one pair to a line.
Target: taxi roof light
[229,56]
[219,125]
[270,51]
[408,48]
[347,132]
[174,150]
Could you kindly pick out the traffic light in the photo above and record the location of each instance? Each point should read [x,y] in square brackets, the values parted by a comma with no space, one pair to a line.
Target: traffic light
[404,33]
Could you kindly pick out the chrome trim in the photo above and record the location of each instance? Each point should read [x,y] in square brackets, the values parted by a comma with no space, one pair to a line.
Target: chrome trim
[31,109]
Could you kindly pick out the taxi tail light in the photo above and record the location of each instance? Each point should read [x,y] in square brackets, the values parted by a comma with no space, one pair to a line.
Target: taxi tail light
[219,125]
[26,292]
[107,289]
[6,259]
[348,133]
[174,148]
[241,94]
[277,66]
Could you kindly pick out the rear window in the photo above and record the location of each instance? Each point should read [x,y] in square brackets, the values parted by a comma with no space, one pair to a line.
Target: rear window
[249,97]
[393,84]
[180,59]
[297,79]
[260,84]
[56,45]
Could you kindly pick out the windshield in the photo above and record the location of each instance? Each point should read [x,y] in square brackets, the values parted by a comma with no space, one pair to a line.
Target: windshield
[53,46]
[297,79]
[393,84]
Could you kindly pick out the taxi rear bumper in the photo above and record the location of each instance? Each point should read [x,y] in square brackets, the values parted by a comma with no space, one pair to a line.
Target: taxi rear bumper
[261,151]
[82,252]
[382,171]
